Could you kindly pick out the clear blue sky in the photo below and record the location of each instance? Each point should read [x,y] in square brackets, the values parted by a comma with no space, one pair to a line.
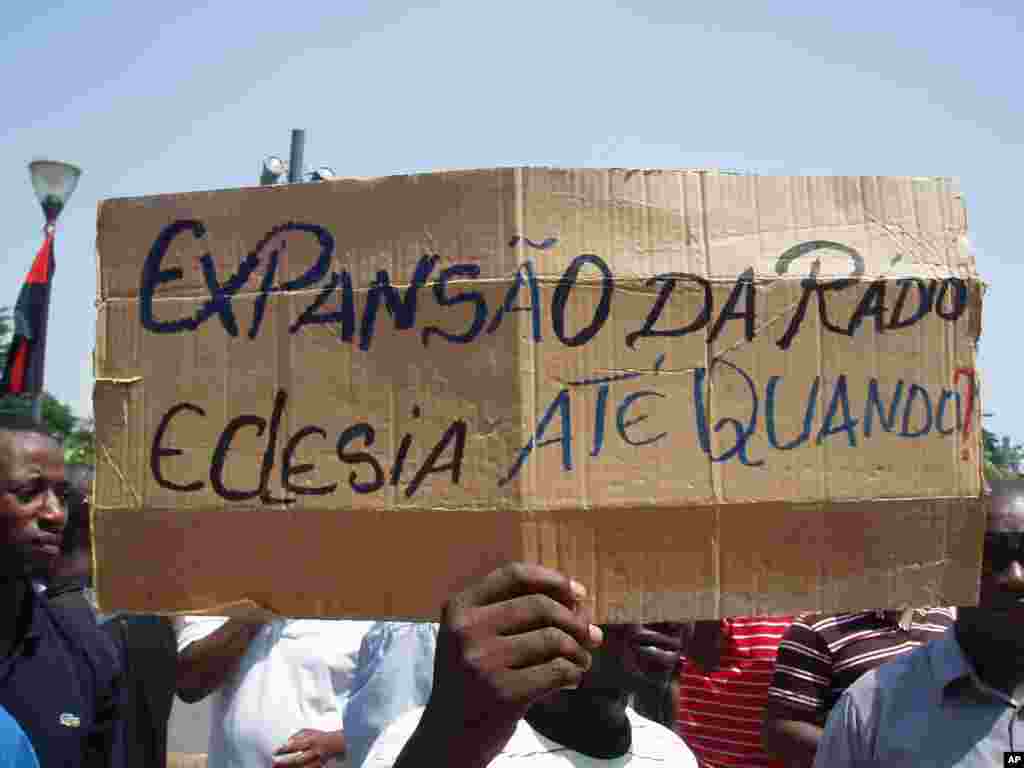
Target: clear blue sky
[169,97]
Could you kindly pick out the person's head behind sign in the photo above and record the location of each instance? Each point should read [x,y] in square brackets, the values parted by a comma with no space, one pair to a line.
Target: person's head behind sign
[1000,610]
[75,561]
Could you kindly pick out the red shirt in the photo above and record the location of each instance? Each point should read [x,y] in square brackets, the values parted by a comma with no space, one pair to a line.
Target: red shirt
[720,714]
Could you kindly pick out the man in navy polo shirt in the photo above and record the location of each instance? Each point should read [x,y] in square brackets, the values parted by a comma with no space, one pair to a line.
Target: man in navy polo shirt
[52,682]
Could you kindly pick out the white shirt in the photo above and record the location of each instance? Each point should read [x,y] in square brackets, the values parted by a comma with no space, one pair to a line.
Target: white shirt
[653,745]
[295,674]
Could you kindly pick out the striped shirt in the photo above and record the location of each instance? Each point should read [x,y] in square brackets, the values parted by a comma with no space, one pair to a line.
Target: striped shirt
[822,655]
[721,712]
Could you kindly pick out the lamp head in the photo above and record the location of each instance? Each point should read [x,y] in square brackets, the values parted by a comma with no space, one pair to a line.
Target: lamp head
[273,169]
[53,183]
[323,173]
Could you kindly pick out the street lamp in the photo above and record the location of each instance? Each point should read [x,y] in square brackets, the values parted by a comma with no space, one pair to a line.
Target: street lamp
[274,170]
[54,184]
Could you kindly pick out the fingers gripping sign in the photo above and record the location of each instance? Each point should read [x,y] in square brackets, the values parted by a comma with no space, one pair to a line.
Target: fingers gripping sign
[515,637]
[504,643]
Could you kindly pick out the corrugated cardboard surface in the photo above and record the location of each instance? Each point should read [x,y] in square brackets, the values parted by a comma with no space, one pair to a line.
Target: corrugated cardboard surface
[709,394]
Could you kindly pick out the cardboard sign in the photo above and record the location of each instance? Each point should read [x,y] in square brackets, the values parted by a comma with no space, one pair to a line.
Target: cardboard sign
[699,394]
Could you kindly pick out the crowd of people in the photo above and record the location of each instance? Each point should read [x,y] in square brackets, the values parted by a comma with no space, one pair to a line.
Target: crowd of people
[514,670]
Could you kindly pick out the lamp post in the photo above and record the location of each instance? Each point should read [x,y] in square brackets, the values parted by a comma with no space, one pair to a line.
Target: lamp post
[298,151]
[54,184]
[274,170]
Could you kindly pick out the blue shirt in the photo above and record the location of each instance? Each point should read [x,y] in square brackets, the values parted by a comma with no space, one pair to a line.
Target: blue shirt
[59,686]
[15,748]
[394,674]
[926,708]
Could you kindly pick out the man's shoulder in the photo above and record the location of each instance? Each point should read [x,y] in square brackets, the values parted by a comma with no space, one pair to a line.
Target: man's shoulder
[819,623]
[906,674]
[937,619]
[651,740]
[807,638]
[850,621]
[655,741]
[74,621]
[651,743]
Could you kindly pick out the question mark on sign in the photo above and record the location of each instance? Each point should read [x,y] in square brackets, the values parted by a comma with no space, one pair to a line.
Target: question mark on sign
[968,373]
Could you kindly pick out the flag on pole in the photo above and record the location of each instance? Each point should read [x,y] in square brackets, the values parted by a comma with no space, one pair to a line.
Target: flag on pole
[23,373]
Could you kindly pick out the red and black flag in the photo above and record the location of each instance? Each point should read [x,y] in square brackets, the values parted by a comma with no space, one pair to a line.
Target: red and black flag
[23,373]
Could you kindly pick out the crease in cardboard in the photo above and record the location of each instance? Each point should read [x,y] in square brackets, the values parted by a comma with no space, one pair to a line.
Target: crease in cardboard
[713,469]
[114,390]
[821,452]
[113,464]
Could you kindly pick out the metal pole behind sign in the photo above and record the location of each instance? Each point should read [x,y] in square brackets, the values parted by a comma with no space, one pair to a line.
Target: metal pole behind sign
[295,160]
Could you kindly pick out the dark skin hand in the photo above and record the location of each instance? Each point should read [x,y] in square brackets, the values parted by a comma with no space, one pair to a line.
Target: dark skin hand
[515,637]
[315,748]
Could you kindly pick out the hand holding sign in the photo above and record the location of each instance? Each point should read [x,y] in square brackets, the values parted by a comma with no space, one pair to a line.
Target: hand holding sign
[515,637]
